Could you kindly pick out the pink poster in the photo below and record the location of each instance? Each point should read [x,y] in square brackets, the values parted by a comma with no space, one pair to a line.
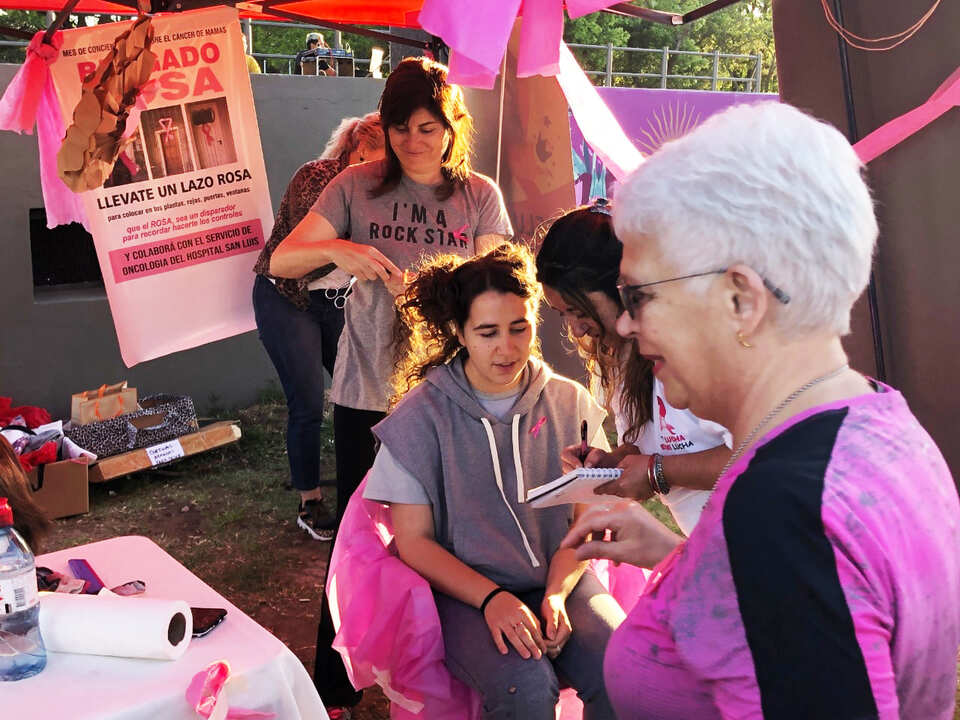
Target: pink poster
[179,222]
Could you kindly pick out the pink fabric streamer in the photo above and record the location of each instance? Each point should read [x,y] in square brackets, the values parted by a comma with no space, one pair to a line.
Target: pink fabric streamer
[600,128]
[62,204]
[205,688]
[18,107]
[30,99]
[478,33]
[899,129]
[388,630]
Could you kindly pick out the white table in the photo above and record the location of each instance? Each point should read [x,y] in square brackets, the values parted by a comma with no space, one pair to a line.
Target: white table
[265,675]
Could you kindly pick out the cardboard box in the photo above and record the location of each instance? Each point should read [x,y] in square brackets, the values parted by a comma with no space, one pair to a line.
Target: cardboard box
[61,488]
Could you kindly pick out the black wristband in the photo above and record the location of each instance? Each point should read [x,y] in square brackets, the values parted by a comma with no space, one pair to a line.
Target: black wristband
[489,597]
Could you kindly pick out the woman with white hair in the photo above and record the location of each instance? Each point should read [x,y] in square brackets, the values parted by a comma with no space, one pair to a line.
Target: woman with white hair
[300,319]
[823,579]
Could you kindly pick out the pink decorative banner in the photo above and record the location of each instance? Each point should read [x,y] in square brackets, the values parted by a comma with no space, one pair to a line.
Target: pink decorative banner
[648,118]
[139,261]
[477,33]
[596,122]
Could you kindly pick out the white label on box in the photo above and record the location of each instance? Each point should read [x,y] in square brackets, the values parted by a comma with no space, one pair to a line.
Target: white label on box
[165,452]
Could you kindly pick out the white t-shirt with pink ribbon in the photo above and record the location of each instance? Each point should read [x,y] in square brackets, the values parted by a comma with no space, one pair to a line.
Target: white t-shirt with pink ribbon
[675,432]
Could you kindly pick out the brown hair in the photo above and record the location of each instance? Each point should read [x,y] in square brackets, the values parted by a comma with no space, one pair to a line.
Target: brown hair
[437,304]
[28,519]
[579,254]
[422,83]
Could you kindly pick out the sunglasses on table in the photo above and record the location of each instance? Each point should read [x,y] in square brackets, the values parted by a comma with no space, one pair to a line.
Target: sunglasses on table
[633,296]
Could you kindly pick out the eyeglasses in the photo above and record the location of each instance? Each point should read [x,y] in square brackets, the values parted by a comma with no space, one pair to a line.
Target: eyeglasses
[632,296]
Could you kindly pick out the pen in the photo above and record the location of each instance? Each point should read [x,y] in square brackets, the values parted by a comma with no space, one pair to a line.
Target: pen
[583,441]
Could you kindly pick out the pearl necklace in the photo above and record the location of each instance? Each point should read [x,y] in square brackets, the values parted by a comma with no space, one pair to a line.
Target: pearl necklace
[772,414]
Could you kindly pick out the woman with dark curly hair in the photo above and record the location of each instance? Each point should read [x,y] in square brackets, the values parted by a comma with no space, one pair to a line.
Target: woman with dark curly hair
[481,420]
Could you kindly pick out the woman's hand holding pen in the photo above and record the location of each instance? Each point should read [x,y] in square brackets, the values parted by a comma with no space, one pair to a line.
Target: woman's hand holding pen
[570,457]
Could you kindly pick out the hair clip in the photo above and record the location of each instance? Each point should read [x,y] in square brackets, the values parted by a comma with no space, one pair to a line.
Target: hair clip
[601,205]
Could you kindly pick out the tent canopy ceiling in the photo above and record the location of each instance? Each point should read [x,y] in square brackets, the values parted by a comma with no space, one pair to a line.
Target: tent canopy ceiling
[396,13]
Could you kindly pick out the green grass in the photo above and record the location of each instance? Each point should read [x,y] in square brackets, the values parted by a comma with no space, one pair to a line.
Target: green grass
[228,516]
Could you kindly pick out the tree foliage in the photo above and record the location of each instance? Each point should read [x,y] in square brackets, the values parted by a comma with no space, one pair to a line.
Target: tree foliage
[745,28]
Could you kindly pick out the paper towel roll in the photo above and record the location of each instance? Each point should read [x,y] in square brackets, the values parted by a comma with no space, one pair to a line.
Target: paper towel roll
[113,625]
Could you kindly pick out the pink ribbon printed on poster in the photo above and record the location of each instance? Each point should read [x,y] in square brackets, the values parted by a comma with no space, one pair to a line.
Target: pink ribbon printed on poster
[179,222]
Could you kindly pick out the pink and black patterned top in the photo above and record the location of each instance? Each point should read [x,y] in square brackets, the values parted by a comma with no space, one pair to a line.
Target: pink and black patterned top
[302,192]
[822,581]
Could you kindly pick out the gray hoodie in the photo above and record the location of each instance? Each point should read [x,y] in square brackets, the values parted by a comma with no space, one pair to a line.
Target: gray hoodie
[477,468]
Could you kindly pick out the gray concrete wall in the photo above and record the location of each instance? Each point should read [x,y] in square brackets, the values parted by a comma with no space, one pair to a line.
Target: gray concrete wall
[64,342]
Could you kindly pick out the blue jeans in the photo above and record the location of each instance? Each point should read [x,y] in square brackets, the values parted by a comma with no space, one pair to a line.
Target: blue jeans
[301,344]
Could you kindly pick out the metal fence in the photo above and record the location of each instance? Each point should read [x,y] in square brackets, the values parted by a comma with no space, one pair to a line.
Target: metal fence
[281,64]
[751,83]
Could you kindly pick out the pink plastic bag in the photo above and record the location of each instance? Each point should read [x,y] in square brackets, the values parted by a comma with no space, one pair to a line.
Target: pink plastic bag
[388,630]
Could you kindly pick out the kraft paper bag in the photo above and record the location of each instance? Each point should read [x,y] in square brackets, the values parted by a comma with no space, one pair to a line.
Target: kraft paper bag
[103,403]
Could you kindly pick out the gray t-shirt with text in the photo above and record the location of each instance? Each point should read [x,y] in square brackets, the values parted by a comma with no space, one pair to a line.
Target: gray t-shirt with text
[405,224]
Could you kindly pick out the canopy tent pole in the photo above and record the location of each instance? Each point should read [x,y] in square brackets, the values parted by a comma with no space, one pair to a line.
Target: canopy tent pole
[268,9]
[503,87]
[853,135]
[59,20]
[668,18]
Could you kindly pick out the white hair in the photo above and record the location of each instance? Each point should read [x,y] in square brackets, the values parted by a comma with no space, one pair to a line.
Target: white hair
[768,186]
[351,133]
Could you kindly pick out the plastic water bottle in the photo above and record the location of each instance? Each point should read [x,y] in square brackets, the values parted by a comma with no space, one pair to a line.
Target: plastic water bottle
[22,653]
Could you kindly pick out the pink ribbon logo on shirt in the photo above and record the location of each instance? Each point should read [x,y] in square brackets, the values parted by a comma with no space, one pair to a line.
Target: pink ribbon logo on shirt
[535,430]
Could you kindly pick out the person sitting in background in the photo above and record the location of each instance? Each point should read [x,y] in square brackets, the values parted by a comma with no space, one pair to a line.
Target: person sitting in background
[299,320]
[28,519]
[481,421]
[823,578]
[662,450]
[313,54]
[253,67]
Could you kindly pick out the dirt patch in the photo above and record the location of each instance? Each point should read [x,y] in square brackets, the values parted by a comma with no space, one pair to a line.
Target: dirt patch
[229,517]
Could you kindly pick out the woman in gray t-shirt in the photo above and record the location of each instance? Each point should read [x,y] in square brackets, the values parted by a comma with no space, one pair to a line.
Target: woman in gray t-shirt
[376,220]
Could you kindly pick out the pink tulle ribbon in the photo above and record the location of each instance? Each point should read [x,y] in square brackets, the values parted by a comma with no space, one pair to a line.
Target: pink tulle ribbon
[899,129]
[18,107]
[478,32]
[204,690]
[31,99]
[597,123]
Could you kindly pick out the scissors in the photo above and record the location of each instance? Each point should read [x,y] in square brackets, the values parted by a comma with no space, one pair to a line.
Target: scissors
[339,295]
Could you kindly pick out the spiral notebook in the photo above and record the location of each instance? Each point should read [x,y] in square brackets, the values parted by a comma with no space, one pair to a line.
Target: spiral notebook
[574,487]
